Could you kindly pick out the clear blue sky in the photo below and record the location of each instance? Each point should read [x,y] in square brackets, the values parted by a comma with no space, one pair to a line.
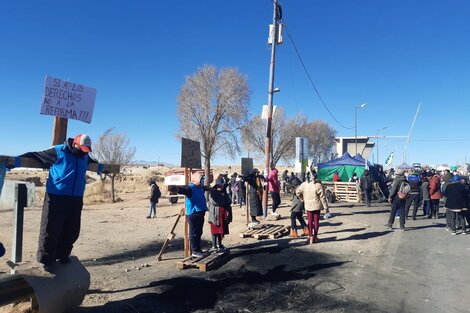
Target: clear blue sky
[390,54]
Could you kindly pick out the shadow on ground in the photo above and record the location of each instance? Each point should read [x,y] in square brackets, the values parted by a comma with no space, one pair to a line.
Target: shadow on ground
[264,281]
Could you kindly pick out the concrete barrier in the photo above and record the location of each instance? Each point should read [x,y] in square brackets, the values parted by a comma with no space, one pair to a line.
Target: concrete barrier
[8,194]
[61,290]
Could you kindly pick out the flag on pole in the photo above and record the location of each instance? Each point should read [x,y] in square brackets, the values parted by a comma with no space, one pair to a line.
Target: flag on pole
[389,160]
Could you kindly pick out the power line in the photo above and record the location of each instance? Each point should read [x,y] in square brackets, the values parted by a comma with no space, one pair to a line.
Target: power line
[310,78]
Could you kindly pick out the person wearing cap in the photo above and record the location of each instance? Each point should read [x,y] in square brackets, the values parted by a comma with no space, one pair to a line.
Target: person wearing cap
[220,214]
[196,208]
[397,203]
[63,201]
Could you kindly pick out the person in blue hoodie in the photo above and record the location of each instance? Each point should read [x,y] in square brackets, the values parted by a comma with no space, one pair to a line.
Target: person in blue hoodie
[196,207]
[63,202]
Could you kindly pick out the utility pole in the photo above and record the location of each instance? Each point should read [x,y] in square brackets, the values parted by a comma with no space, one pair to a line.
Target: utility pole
[267,148]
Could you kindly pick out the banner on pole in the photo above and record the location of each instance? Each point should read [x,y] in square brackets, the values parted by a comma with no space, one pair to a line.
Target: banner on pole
[68,100]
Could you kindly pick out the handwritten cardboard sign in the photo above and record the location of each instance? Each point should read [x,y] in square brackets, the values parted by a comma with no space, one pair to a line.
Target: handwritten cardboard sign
[190,153]
[68,100]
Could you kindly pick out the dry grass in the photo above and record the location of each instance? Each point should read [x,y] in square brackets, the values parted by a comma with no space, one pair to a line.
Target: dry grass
[134,179]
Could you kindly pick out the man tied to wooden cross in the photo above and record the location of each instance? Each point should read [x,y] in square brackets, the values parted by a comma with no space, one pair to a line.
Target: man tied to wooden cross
[63,202]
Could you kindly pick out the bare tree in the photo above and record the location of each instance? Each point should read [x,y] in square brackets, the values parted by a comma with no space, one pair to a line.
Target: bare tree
[212,107]
[284,132]
[113,148]
[321,138]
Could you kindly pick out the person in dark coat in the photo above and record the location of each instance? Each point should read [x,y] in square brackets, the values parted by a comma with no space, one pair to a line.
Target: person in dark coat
[397,203]
[456,204]
[63,202]
[366,186]
[414,196]
[2,250]
[296,211]
[155,194]
[220,214]
[254,196]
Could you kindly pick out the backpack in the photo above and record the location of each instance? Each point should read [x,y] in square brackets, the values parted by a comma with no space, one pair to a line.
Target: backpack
[404,190]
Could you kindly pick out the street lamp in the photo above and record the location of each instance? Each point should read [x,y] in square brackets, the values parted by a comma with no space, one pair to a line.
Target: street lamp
[383,128]
[355,119]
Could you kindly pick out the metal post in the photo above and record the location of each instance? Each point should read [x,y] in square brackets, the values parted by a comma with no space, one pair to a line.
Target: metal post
[18,216]
[270,106]
[377,157]
[355,127]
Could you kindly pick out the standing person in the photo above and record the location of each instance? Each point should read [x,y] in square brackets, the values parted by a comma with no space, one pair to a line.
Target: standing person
[63,202]
[313,196]
[241,191]
[435,194]
[297,209]
[284,178]
[235,189]
[196,208]
[233,194]
[366,186]
[397,200]
[414,196]
[274,189]
[155,194]
[456,204]
[425,195]
[336,177]
[353,178]
[220,215]
[254,196]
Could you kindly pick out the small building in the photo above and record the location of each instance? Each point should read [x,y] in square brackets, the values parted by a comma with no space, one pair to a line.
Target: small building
[348,144]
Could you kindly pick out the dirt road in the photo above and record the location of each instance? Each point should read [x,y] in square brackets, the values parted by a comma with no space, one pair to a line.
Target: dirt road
[357,267]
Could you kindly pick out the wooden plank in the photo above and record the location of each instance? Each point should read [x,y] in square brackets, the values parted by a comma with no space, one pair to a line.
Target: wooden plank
[33,163]
[280,233]
[214,260]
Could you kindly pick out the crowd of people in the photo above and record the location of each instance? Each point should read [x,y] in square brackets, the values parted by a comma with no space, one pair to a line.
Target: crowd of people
[428,189]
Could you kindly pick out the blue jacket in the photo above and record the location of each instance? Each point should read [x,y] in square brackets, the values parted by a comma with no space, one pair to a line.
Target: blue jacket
[197,201]
[67,176]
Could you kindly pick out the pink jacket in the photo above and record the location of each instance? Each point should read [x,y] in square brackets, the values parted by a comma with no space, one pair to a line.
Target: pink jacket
[273,182]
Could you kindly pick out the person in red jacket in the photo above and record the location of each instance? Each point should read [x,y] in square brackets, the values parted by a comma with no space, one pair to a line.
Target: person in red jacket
[274,189]
[435,194]
[336,177]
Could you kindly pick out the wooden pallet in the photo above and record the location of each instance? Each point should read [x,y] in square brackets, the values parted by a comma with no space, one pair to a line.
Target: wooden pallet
[345,192]
[270,231]
[205,263]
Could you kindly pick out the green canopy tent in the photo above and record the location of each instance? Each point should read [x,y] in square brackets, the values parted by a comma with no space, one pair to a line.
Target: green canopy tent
[346,165]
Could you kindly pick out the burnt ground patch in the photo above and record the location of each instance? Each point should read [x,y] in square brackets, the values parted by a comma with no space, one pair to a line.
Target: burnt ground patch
[259,279]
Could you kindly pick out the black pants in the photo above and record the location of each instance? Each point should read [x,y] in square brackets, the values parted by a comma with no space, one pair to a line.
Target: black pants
[435,208]
[455,220]
[196,222]
[298,216]
[367,196]
[397,205]
[60,227]
[412,199]
[276,200]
